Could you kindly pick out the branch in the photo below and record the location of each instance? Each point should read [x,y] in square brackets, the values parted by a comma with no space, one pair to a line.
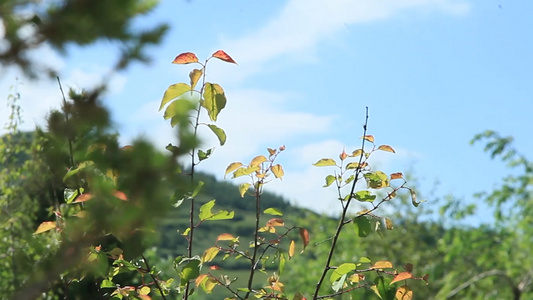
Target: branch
[478,278]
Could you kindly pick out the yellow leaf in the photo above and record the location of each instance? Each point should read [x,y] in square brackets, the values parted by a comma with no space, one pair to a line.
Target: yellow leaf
[243,188]
[404,293]
[232,167]
[291,249]
[256,161]
[225,237]
[355,278]
[278,171]
[401,276]
[45,226]
[325,162]
[357,153]
[194,75]
[144,290]
[369,138]
[382,264]
[388,224]
[209,254]
[386,148]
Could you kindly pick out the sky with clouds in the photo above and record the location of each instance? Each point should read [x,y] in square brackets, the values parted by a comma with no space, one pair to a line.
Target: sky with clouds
[433,73]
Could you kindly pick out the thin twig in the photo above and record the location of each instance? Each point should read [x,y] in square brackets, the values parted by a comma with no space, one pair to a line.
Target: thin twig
[153,277]
[478,278]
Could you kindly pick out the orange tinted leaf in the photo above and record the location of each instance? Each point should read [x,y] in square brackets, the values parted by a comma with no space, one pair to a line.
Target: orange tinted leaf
[369,138]
[278,171]
[397,175]
[200,279]
[275,222]
[209,254]
[271,151]
[382,264]
[45,226]
[225,237]
[83,198]
[185,58]
[404,293]
[401,276]
[214,267]
[145,297]
[386,148]
[304,234]
[120,195]
[291,249]
[224,56]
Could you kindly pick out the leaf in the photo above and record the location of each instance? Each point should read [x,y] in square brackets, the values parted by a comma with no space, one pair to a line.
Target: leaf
[324,162]
[396,175]
[364,196]
[304,234]
[83,198]
[206,214]
[386,148]
[413,198]
[243,188]
[214,100]
[408,267]
[404,293]
[329,180]
[200,279]
[281,266]
[271,151]
[355,165]
[197,189]
[225,237]
[362,226]
[173,92]
[75,171]
[388,224]
[277,170]
[273,211]
[245,171]
[185,58]
[223,56]
[120,195]
[195,75]
[291,249]
[190,270]
[45,226]
[144,290]
[377,180]
[382,264]
[355,278]
[337,285]
[364,259]
[384,289]
[426,278]
[203,155]
[401,276]
[178,111]
[256,161]
[275,222]
[232,167]
[221,135]
[209,254]
[357,153]
[369,138]
[340,271]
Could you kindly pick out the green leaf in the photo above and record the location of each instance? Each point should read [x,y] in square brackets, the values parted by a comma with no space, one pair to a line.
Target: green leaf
[197,189]
[178,111]
[364,196]
[324,162]
[337,285]
[106,283]
[173,92]
[206,214]
[341,270]
[281,266]
[377,180]
[362,226]
[329,180]
[245,171]
[214,100]
[221,135]
[190,270]
[75,171]
[386,292]
[273,211]
[202,155]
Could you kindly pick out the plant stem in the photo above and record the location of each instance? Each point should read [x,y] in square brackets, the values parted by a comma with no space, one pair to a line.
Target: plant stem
[153,277]
[253,263]
[342,221]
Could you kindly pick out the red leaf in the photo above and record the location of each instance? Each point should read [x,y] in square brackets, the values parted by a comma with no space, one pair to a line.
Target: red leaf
[223,56]
[185,58]
[304,234]
[83,198]
[401,276]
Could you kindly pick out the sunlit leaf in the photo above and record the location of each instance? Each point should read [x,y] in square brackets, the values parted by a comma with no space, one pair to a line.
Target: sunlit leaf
[273,211]
[362,226]
[364,260]
[355,278]
[337,285]
[120,195]
[357,153]
[275,222]
[173,92]
[413,198]
[223,56]
[221,135]
[388,224]
[195,75]
[291,249]
[404,293]
[200,279]
[232,167]
[281,265]
[369,138]
[45,226]
[185,58]
[304,235]
[354,165]
[277,170]
[145,290]
[225,237]
[190,270]
[209,254]
[271,151]
[382,264]
[245,171]
[197,189]
[386,148]
[203,155]
[364,196]
[329,180]
[256,161]
[396,175]
[214,100]
[325,162]
[206,214]
[341,270]
[401,276]
[178,110]
[377,180]
[243,188]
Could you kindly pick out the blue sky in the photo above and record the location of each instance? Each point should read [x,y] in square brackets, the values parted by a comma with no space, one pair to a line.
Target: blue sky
[432,72]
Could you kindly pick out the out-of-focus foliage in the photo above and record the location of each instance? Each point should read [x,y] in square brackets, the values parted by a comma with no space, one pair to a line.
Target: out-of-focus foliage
[27,24]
